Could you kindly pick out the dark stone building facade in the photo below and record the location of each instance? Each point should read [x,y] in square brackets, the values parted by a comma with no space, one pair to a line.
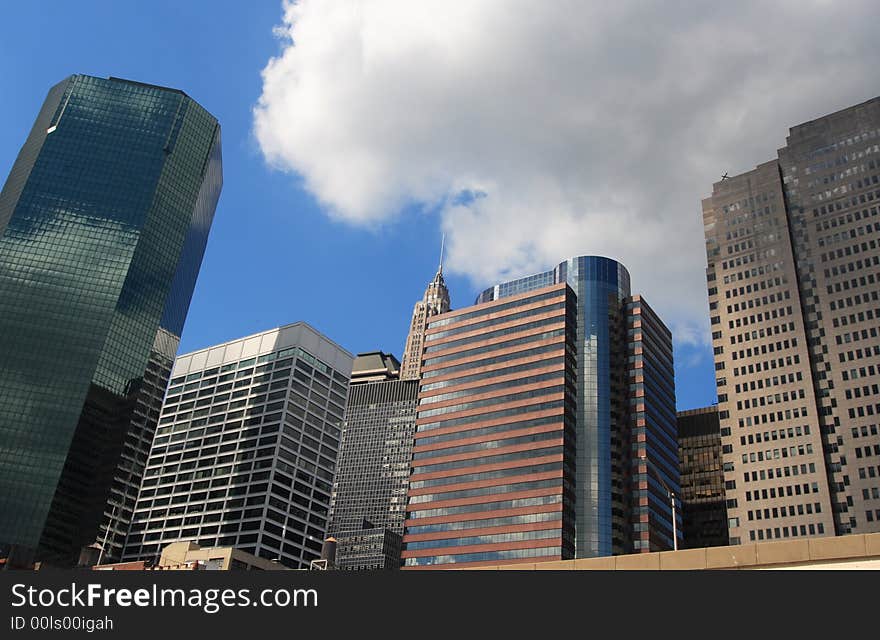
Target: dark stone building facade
[369,491]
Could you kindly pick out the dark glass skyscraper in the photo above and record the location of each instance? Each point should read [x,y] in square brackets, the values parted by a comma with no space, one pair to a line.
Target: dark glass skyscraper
[704,507]
[103,223]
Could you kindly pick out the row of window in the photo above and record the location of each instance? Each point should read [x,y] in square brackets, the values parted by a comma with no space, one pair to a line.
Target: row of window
[750,288]
[485,539]
[849,234]
[470,353]
[553,434]
[757,334]
[513,554]
[320,398]
[757,318]
[267,358]
[853,301]
[506,384]
[771,399]
[441,321]
[492,415]
[764,349]
[783,532]
[522,353]
[775,434]
[753,272]
[532,362]
[739,261]
[485,491]
[529,518]
[491,335]
[847,251]
[496,319]
[867,452]
[511,397]
[484,431]
[485,460]
[765,365]
[770,383]
[754,303]
[486,506]
[861,316]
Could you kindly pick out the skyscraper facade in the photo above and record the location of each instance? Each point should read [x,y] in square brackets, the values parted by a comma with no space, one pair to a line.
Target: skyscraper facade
[246,448]
[626,432]
[703,503]
[650,435]
[368,504]
[494,453]
[434,302]
[103,223]
[793,267]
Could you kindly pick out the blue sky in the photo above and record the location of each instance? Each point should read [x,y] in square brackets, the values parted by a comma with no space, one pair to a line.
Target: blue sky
[274,255]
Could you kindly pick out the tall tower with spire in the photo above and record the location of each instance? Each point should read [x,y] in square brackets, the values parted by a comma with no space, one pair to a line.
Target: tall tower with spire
[434,302]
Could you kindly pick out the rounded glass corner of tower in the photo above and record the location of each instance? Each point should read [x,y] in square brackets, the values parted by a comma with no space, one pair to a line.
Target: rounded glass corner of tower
[601,269]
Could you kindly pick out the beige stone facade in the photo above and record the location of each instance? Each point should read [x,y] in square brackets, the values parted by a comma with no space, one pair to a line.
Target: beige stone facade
[435,301]
[793,276]
[847,552]
[775,481]
[188,556]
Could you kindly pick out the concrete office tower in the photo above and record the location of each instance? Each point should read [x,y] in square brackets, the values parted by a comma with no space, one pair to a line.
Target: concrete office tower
[626,431]
[793,272]
[494,454]
[704,508]
[103,223]
[246,448]
[434,302]
[368,505]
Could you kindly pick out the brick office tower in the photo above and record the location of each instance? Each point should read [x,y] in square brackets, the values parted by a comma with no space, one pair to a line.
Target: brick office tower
[704,509]
[368,505]
[793,273]
[103,223]
[493,460]
[621,391]
[627,448]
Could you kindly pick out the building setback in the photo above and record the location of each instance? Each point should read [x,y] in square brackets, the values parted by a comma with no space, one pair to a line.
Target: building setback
[246,448]
[103,223]
[704,508]
[793,269]
[626,431]
[494,453]
[368,504]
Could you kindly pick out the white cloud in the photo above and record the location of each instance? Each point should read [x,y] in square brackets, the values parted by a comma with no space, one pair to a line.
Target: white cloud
[588,128]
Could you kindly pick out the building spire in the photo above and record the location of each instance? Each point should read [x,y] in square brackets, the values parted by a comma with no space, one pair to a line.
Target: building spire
[442,243]
[435,301]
